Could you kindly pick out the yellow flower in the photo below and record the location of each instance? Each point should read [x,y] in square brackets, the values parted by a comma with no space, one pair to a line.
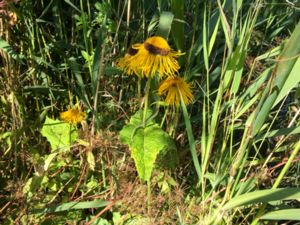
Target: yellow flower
[124,63]
[154,55]
[73,115]
[173,87]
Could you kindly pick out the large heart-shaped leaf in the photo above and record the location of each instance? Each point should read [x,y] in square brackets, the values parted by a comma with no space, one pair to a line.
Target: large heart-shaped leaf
[145,144]
[60,135]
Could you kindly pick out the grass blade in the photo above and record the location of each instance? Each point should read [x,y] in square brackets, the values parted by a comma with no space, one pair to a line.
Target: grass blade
[285,214]
[281,74]
[177,7]
[191,138]
[263,196]
[292,80]
[72,205]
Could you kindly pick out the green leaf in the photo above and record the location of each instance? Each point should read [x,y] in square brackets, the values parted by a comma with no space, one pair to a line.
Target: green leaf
[164,25]
[91,160]
[72,205]
[85,55]
[285,214]
[48,160]
[291,82]
[6,137]
[33,184]
[177,7]
[73,6]
[145,144]
[60,135]
[263,196]
[81,90]
[139,219]
[97,62]
[279,132]
[9,50]
[281,74]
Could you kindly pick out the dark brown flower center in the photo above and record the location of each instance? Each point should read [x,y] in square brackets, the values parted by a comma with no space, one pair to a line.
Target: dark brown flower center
[155,50]
[132,51]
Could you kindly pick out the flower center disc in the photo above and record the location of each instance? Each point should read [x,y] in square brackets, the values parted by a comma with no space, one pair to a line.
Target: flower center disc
[157,46]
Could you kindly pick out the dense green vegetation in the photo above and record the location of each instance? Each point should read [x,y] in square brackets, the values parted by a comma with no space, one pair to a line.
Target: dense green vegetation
[227,155]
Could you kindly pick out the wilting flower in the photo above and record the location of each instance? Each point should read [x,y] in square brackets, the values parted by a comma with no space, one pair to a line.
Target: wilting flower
[154,55]
[173,87]
[73,115]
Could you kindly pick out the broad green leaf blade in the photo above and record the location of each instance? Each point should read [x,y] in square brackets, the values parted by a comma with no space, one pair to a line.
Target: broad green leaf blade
[145,143]
[72,205]
[128,131]
[263,196]
[281,74]
[164,25]
[285,214]
[60,135]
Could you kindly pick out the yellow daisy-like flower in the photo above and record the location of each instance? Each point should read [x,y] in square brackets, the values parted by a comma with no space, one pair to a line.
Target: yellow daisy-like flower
[73,115]
[154,55]
[124,63]
[173,87]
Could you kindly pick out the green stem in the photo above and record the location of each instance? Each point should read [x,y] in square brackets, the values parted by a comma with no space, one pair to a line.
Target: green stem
[148,195]
[287,166]
[103,173]
[146,99]
[164,117]
[70,130]
[139,88]
[175,123]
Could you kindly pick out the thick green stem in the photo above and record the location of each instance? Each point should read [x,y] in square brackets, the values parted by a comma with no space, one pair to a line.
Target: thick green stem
[146,99]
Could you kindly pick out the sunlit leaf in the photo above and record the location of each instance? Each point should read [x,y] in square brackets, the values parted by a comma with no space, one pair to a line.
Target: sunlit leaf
[285,214]
[145,144]
[91,160]
[60,135]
